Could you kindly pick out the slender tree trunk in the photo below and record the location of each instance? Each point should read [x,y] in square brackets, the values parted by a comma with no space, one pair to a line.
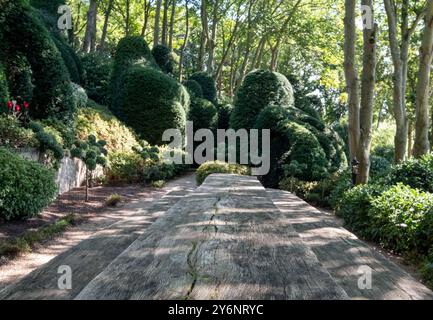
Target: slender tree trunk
[171,33]
[146,14]
[87,185]
[400,139]
[89,43]
[213,38]
[156,28]
[127,18]
[165,23]
[258,51]
[105,27]
[204,35]
[185,42]
[422,145]
[351,75]
[274,58]
[369,62]
[409,140]
[226,52]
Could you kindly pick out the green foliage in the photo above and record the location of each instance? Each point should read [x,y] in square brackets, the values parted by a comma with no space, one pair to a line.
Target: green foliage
[70,58]
[79,95]
[207,85]
[261,88]
[224,112]
[49,143]
[384,151]
[194,89]
[354,207]
[417,173]
[342,182]
[153,103]
[113,200]
[164,57]
[97,120]
[379,166]
[26,187]
[13,135]
[91,151]
[401,219]
[211,167]
[130,51]
[52,96]
[4,90]
[19,76]
[65,134]
[97,73]
[203,114]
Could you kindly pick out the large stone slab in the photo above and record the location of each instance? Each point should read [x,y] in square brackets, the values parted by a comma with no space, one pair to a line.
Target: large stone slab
[226,240]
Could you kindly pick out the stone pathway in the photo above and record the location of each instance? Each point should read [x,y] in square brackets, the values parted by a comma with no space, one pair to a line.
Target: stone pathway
[228,239]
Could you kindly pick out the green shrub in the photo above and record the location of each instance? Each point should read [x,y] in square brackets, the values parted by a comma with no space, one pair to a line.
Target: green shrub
[260,89]
[125,167]
[427,270]
[379,166]
[152,103]
[164,57]
[100,122]
[13,135]
[211,167]
[224,112]
[19,77]
[354,207]
[342,182]
[52,95]
[130,50]
[79,95]
[48,142]
[417,173]
[4,90]
[203,114]
[26,187]
[113,200]
[384,151]
[97,72]
[207,85]
[194,89]
[399,219]
[70,58]
[65,134]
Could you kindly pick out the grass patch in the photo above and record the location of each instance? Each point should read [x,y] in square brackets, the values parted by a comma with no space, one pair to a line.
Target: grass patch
[158,183]
[113,200]
[29,239]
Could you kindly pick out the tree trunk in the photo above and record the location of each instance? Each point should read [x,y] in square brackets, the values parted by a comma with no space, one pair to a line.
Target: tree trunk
[369,62]
[171,33]
[185,42]
[89,43]
[156,27]
[128,13]
[212,40]
[409,140]
[146,13]
[165,23]
[422,145]
[204,35]
[400,139]
[351,75]
[105,27]
[87,185]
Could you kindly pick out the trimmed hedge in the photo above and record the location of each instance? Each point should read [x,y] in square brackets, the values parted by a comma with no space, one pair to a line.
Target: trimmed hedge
[194,88]
[164,57]
[4,90]
[26,187]
[207,85]
[203,114]
[260,89]
[152,103]
[130,51]
[211,167]
[97,73]
[52,95]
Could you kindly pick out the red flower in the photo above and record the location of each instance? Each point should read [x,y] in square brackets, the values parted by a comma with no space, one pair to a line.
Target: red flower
[10,104]
[26,105]
[18,108]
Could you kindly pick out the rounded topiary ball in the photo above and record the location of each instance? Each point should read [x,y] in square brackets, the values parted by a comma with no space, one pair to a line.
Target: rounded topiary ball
[152,103]
[260,89]
[207,84]
[203,114]
[164,57]
[194,88]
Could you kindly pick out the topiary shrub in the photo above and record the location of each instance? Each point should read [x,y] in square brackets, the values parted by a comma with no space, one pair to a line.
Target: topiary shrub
[70,58]
[211,167]
[379,166]
[49,143]
[19,76]
[79,95]
[97,73]
[207,85]
[194,89]
[52,95]
[152,103]
[164,57]
[224,112]
[130,51]
[203,114]
[26,187]
[4,90]
[260,89]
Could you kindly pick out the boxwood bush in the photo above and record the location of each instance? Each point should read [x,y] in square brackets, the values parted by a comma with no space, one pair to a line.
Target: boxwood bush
[164,57]
[203,114]
[207,85]
[194,88]
[211,167]
[97,73]
[152,103]
[26,187]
